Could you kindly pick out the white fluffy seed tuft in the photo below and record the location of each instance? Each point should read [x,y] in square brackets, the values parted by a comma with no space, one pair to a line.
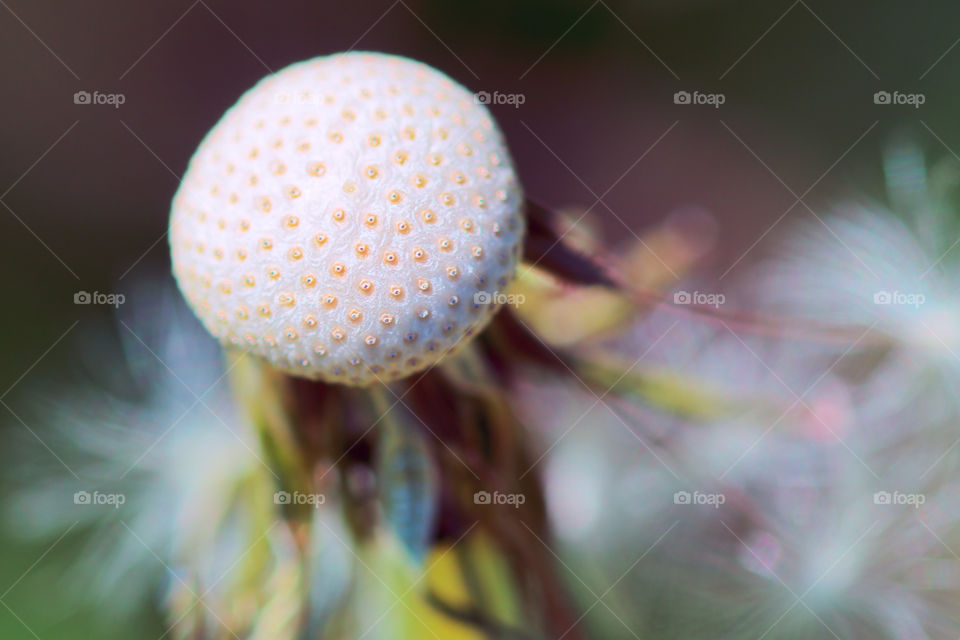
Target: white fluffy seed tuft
[342,217]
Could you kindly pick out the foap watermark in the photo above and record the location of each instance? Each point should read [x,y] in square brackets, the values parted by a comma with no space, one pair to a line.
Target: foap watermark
[698,98]
[498,297]
[112,299]
[97,498]
[112,99]
[699,298]
[899,98]
[899,298]
[300,97]
[699,498]
[914,500]
[497,498]
[299,498]
[513,99]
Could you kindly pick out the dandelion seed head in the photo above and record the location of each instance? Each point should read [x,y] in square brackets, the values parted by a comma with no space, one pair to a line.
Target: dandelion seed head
[355,202]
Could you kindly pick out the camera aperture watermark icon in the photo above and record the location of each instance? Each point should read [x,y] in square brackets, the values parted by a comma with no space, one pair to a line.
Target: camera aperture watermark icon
[899,98]
[86,297]
[98,98]
[488,98]
[699,498]
[498,298]
[915,500]
[299,498]
[899,298]
[699,298]
[498,498]
[97,498]
[699,98]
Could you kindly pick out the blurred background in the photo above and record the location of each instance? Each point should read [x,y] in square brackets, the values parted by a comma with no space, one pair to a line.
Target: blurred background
[602,123]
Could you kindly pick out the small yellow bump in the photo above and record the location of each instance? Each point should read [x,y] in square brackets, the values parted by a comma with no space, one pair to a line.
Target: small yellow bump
[477,252]
[374,141]
[419,180]
[225,287]
[291,222]
[339,215]
[452,272]
[316,169]
[409,133]
[249,281]
[295,253]
[273,272]
[253,179]
[435,159]
[480,202]
[458,177]
[403,226]
[363,250]
[329,300]
[309,322]
[290,334]
[349,115]
[390,258]
[320,350]
[366,286]
[349,186]
[396,291]
[371,172]
[336,137]
[446,244]
[338,269]
[244,224]
[387,319]
[278,168]
[309,280]
[370,220]
[370,340]
[355,315]
[242,313]
[423,313]
[400,157]
[286,299]
[338,334]
[419,254]
[319,239]
[303,146]
[464,149]
[266,244]
[428,216]
[293,192]
[466,224]
[241,255]
[423,284]
[264,204]
[264,310]
[447,199]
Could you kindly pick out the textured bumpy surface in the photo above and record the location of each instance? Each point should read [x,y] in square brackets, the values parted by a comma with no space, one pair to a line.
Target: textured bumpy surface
[341,219]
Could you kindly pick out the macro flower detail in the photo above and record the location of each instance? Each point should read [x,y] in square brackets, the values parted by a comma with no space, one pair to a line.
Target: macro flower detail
[347,219]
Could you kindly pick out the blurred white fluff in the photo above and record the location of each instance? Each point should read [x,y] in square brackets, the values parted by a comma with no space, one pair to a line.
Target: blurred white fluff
[197,495]
[865,265]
